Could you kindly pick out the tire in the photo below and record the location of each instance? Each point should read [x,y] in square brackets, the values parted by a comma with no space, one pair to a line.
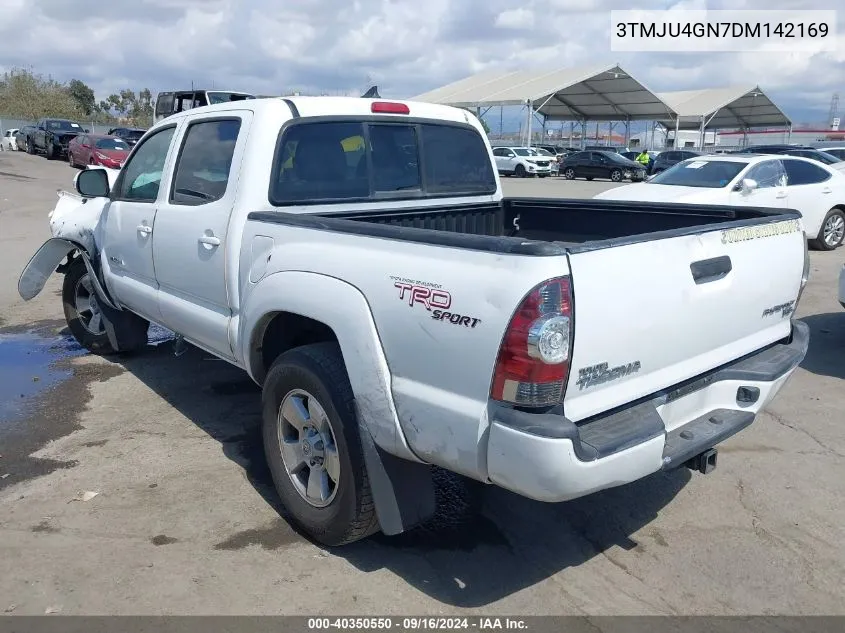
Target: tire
[70,159]
[589,177]
[832,231]
[569,173]
[519,171]
[30,147]
[616,175]
[88,325]
[49,150]
[299,378]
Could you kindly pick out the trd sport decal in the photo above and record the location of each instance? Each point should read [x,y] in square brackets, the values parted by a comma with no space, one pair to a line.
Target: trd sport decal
[434,299]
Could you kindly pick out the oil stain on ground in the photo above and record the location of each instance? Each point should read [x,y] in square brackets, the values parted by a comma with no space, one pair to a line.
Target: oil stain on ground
[275,536]
[42,393]
[162,539]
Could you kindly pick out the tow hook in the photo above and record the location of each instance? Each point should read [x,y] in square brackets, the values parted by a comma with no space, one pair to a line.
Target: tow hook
[705,462]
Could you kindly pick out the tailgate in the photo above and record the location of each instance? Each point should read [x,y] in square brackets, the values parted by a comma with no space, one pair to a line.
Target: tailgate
[649,315]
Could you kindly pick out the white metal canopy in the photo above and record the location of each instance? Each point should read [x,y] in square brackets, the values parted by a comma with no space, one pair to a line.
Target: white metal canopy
[732,107]
[597,93]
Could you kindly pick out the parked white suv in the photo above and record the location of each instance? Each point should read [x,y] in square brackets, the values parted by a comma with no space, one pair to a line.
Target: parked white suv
[522,162]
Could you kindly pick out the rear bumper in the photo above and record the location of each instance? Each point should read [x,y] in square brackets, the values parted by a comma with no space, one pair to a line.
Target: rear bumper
[550,458]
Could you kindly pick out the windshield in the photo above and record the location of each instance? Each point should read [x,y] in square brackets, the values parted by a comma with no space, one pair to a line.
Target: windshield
[616,158]
[69,126]
[223,97]
[544,152]
[112,143]
[709,174]
[523,151]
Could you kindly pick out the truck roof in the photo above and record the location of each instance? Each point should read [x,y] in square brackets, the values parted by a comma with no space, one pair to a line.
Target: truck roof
[335,106]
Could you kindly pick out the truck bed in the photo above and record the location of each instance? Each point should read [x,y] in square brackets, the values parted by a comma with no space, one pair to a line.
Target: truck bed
[534,226]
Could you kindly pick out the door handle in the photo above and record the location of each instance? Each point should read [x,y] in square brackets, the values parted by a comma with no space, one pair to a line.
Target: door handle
[713,269]
[827,190]
[210,240]
[143,229]
[781,194]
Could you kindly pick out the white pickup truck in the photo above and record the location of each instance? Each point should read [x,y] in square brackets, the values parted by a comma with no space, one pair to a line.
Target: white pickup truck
[357,258]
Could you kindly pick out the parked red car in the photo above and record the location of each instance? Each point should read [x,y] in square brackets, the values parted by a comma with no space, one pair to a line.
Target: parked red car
[97,149]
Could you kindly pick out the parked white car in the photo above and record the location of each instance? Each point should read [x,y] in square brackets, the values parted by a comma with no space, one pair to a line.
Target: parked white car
[521,162]
[8,142]
[786,182]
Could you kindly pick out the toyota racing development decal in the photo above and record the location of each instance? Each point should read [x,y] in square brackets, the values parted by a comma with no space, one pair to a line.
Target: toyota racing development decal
[434,299]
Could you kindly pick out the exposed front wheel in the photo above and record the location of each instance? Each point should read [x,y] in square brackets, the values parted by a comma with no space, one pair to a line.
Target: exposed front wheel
[832,232]
[519,171]
[616,175]
[569,173]
[312,445]
[87,318]
[30,148]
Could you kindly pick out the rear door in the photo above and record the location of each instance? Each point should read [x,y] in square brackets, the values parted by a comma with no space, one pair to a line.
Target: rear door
[652,314]
[812,190]
[192,226]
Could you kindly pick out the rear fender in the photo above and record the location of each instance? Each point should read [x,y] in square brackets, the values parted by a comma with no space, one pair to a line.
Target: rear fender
[45,262]
[402,487]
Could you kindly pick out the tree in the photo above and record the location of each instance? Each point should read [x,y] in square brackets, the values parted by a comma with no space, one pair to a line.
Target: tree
[26,95]
[480,120]
[83,95]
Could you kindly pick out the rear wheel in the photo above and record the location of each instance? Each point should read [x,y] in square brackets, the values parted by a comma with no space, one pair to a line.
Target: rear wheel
[519,171]
[312,445]
[616,175]
[832,232]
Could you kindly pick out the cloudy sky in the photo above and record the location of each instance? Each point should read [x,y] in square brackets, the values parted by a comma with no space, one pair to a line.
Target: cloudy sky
[405,46]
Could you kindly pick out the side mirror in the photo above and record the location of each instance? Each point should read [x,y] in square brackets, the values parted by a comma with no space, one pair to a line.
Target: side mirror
[93,183]
[747,185]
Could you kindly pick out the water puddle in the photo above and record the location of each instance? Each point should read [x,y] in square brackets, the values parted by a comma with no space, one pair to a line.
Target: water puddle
[30,366]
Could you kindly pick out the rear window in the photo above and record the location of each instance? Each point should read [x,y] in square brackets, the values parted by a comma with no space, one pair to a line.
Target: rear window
[708,174]
[354,160]
[112,143]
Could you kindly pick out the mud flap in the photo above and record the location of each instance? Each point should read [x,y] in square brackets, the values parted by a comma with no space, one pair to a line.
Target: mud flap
[126,331]
[403,491]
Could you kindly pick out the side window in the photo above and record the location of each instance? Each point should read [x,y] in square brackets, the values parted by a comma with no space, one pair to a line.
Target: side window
[768,174]
[499,152]
[204,162]
[799,172]
[140,178]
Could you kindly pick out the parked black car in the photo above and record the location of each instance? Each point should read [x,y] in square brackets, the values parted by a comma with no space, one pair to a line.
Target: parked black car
[633,157]
[671,157]
[804,151]
[129,134]
[51,137]
[591,165]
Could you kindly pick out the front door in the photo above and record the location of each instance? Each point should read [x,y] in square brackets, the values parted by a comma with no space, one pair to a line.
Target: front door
[771,186]
[192,226]
[130,221]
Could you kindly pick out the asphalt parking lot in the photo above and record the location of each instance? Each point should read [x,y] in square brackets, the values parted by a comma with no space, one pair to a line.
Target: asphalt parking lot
[186,522]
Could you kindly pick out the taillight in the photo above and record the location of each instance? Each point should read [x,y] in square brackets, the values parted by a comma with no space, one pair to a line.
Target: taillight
[533,362]
[390,107]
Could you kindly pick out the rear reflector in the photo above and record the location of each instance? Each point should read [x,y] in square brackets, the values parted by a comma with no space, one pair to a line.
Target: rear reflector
[389,107]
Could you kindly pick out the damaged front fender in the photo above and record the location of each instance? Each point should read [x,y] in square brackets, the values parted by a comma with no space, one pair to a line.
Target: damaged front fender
[44,263]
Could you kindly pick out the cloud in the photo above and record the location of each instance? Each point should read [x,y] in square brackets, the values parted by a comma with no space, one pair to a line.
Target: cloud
[406,47]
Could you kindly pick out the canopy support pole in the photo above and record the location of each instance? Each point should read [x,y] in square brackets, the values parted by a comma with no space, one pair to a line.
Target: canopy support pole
[677,127]
[789,134]
[530,116]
